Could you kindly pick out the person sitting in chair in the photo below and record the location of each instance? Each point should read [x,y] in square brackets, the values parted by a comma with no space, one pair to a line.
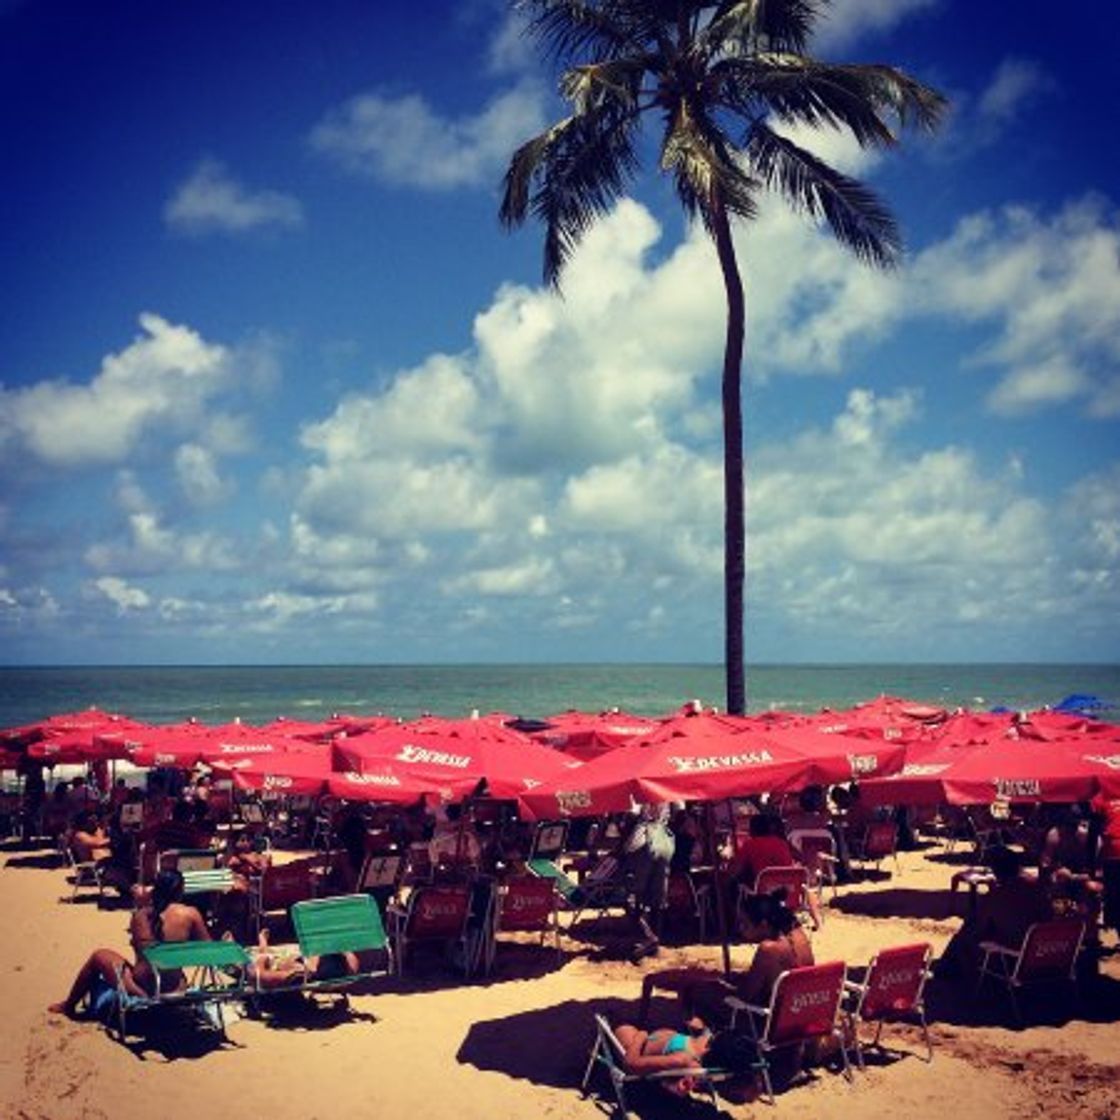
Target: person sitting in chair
[1014,903]
[165,917]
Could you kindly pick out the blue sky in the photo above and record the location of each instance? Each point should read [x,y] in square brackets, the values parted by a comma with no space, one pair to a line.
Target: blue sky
[276,387]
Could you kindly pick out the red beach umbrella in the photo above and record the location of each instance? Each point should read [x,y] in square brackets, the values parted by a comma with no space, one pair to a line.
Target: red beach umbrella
[454,755]
[1008,770]
[186,745]
[288,772]
[695,758]
[585,735]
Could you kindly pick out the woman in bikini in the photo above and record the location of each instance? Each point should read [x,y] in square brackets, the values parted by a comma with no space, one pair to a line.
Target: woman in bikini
[692,1051]
[164,918]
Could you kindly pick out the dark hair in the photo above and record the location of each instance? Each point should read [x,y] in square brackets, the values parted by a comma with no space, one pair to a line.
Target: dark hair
[1005,862]
[764,824]
[770,909]
[166,889]
[732,1051]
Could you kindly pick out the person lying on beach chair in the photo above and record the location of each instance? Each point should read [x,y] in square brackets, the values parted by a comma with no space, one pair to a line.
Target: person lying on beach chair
[341,941]
[164,917]
[677,1062]
[275,971]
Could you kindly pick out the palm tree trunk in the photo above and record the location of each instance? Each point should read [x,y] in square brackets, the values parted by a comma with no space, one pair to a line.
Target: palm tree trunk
[734,493]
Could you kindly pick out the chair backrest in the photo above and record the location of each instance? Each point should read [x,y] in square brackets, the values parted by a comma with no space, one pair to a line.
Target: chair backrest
[793,879]
[895,980]
[252,812]
[527,903]
[1050,950]
[349,923]
[549,838]
[809,844]
[189,859]
[380,871]
[880,840]
[437,912]
[680,894]
[288,883]
[804,1004]
[132,814]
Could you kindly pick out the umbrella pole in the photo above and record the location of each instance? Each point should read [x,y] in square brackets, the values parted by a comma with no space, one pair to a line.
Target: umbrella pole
[717,887]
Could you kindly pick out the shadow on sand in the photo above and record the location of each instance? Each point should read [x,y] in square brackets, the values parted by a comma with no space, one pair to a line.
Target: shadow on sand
[902,902]
[550,1046]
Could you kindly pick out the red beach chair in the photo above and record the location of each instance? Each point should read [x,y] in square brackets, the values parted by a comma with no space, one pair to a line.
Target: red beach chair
[526,904]
[433,915]
[804,1007]
[891,991]
[1047,955]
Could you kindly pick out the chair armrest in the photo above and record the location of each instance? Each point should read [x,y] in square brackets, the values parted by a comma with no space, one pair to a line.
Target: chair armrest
[996,947]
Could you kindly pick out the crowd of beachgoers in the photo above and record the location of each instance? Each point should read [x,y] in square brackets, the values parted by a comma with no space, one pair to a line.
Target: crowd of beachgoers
[719,894]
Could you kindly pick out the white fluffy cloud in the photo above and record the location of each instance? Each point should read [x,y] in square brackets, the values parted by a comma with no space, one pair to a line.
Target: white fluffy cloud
[163,379]
[403,140]
[848,20]
[210,200]
[125,597]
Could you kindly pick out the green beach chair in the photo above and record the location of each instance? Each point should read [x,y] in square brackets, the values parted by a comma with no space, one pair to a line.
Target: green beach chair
[215,972]
[328,927]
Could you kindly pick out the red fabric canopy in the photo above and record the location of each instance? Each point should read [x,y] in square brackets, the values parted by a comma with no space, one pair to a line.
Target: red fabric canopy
[1013,770]
[585,735]
[453,756]
[701,757]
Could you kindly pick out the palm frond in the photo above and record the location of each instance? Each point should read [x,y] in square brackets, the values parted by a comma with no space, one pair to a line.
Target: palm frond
[799,90]
[746,26]
[575,29]
[852,211]
[703,166]
[597,85]
[568,177]
[914,104]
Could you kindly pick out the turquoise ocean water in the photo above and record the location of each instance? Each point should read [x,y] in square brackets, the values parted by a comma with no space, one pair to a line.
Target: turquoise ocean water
[256,694]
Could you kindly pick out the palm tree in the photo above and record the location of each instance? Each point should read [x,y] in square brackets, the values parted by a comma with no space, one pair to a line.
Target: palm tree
[719,76]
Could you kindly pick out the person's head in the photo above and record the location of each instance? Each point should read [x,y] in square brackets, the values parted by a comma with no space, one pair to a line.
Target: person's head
[811,799]
[1005,863]
[730,1050]
[166,889]
[85,821]
[766,916]
[764,824]
[841,798]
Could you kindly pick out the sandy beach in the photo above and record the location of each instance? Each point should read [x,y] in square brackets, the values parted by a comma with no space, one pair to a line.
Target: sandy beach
[515,1044]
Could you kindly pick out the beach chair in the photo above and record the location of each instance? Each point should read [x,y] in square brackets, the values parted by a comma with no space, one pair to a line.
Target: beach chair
[609,1055]
[792,878]
[328,927]
[815,850]
[215,972]
[549,840]
[686,901]
[878,841]
[1048,955]
[892,991]
[279,887]
[432,915]
[381,874]
[804,1007]
[525,904]
[83,874]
